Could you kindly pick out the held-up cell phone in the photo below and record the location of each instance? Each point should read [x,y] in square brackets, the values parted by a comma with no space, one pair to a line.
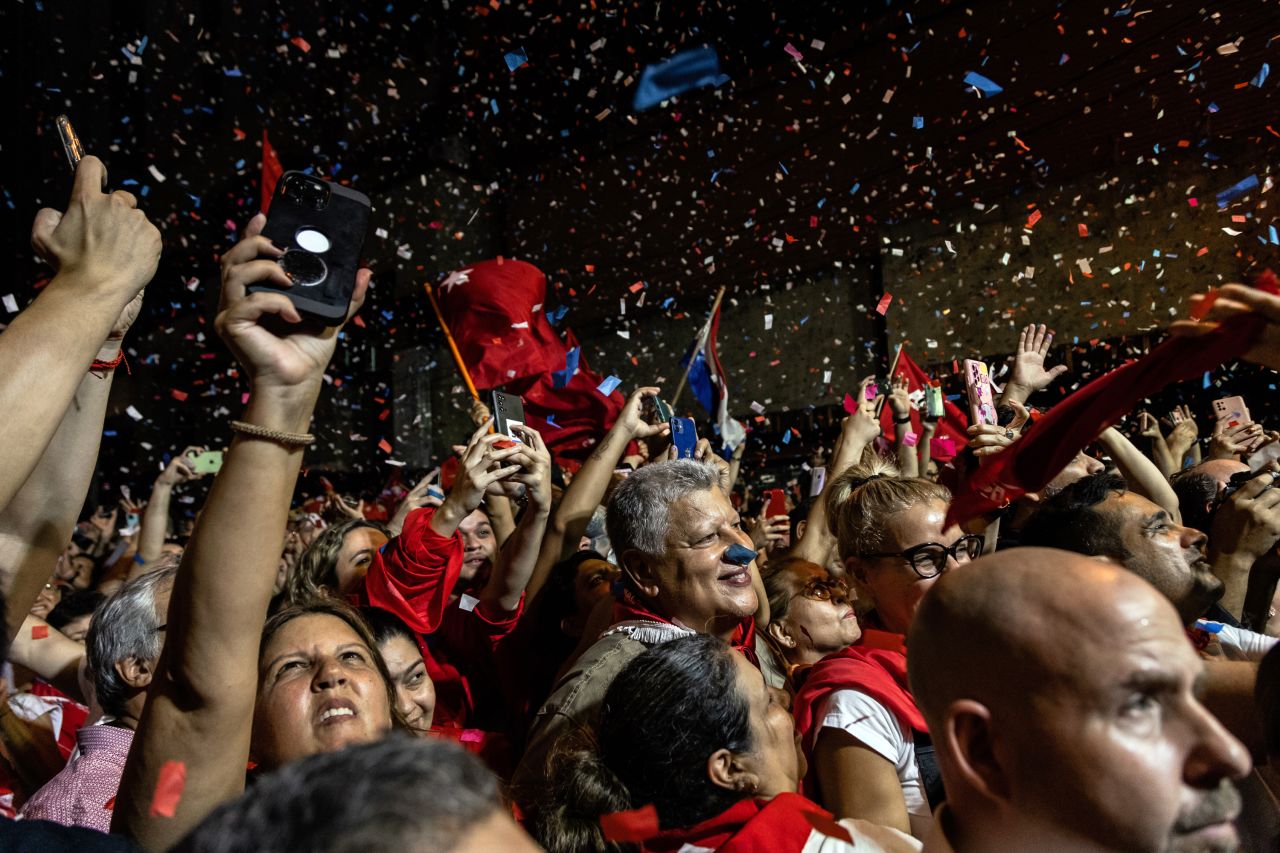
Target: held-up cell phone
[71,145]
[661,411]
[206,461]
[507,409]
[817,480]
[777,503]
[1175,417]
[320,225]
[684,435]
[933,402]
[977,381]
[1230,411]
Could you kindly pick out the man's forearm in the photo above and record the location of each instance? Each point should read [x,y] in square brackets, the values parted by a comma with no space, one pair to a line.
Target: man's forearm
[155,522]
[37,523]
[1233,570]
[44,355]
[516,562]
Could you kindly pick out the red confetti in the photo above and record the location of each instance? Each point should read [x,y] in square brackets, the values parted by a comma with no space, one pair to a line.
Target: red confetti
[636,825]
[1084,229]
[384,446]
[110,805]
[168,792]
[639,285]
[39,632]
[301,44]
[884,304]
[180,396]
[1033,218]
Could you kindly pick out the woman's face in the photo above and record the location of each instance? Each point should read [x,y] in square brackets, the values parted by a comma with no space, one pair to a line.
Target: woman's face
[592,584]
[820,618]
[892,584]
[415,694]
[358,548]
[318,690]
[775,760]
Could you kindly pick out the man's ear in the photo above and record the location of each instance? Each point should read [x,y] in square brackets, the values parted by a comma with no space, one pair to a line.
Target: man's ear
[135,672]
[801,526]
[973,748]
[636,566]
[725,770]
[781,632]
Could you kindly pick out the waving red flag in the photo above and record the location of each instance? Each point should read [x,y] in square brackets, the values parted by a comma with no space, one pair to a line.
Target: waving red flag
[950,437]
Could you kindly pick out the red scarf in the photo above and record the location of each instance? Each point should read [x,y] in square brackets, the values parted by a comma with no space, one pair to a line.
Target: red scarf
[781,825]
[628,609]
[876,666]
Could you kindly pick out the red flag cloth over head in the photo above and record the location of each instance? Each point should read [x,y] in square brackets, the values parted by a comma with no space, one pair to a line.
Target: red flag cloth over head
[494,311]
[570,419]
[950,437]
[271,172]
[1032,462]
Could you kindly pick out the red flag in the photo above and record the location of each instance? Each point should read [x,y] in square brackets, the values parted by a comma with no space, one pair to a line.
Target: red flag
[494,310]
[573,418]
[950,437]
[271,171]
[636,825]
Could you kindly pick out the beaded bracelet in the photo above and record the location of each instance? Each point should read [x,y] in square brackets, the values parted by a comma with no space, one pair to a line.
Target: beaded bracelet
[289,439]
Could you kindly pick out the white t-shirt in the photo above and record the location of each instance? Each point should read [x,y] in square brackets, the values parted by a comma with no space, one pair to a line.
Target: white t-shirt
[875,727]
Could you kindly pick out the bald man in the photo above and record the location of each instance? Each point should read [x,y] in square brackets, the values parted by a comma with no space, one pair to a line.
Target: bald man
[1061,696]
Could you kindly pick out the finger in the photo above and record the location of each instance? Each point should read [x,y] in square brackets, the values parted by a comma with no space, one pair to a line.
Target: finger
[1037,337]
[1253,488]
[254,226]
[248,249]
[1266,304]
[42,229]
[1270,497]
[125,197]
[1047,343]
[1057,371]
[478,434]
[429,479]
[257,305]
[239,277]
[364,277]
[489,478]
[1192,328]
[91,177]
[1022,339]
[646,391]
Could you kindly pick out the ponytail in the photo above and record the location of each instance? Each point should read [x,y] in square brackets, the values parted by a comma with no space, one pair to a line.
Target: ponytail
[581,789]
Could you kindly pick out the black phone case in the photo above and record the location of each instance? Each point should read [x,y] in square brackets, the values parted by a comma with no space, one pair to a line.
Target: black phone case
[507,409]
[323,281]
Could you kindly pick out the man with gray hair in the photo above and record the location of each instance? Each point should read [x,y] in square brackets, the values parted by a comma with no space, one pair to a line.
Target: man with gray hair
[687,567]
[122,647]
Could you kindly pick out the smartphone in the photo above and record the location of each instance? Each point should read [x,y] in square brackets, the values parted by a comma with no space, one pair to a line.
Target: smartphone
[1175,417]
[977,380]
[71,145]
[206,462]
[777,503]
[321,227]
[507,409]
[661,411]
[817,481]
[1230,411]
[684,435]
[933,402]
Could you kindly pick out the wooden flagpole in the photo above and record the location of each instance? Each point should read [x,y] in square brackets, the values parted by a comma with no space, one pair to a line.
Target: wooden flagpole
[453,345]
[703,339]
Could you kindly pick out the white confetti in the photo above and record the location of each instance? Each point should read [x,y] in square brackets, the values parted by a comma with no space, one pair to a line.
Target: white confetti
[155,173]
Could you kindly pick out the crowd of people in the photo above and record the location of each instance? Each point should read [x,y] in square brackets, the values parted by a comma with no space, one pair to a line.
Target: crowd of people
[630,656]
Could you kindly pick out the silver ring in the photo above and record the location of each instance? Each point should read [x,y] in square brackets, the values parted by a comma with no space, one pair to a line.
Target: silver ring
[1008,434]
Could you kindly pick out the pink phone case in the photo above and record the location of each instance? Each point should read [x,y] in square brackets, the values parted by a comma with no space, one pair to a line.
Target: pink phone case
[978,382]
[1230,411]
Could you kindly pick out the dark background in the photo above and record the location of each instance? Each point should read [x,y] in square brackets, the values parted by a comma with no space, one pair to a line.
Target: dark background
[413,104]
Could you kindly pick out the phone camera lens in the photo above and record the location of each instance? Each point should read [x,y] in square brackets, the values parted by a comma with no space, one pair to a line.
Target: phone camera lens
[304,268]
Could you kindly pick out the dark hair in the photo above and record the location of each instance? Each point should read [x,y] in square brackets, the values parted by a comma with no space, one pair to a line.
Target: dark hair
[317,569]
[398,793]
[1196,493]
[385,625]
[1267,696]
[81,602]
[801,513]
[327,606]
[1070,520]
[663,716]
[778,586]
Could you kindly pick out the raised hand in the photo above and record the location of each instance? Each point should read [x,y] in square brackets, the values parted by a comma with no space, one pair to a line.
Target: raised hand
[416,498]
[342,509]
[1233,441]
[535,467]
[768,532]
[1234,300]
[179,470]
[1029,374]
[264,330]
[631,418]
[1184,433]
[1149,427]
[478,471]
[900,398]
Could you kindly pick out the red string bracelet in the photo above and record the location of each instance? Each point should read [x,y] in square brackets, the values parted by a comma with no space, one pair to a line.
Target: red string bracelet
[111,365]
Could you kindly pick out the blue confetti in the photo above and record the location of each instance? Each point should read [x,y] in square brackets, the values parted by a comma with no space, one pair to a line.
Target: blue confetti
[1275,239]
[1232,193]
[609,385]
[917,122]
[560,378]
[984,85]
[689,69]
[1261,76]
[516,58]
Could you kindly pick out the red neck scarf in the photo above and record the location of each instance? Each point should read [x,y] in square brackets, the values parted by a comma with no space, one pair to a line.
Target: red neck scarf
[629,609]
[784,824]
[876,666]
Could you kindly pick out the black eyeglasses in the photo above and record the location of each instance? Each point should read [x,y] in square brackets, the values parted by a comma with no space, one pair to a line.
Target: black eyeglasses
[823,589]
[928,560]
